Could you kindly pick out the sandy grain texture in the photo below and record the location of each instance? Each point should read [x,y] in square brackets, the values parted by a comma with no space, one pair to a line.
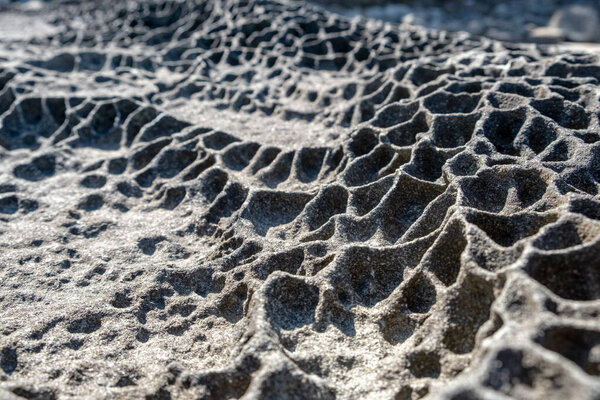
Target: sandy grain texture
[259,200]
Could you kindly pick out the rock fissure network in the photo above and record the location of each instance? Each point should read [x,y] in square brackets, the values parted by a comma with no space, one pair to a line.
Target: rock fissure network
[229,199]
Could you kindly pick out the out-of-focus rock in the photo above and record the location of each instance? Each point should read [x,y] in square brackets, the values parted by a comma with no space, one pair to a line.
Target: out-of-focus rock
[476,26]
[499,34]
[389,12]
[546,34]
[578,23]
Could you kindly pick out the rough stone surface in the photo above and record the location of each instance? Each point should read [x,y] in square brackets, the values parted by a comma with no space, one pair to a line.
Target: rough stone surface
[260,200]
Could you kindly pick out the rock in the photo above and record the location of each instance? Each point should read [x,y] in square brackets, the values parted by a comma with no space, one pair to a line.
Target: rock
[546,34]
[227,199]
[578,23]
[475,26]
[5,394]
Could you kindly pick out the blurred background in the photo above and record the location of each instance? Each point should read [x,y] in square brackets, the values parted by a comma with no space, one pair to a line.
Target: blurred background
[541,21]
[536,21]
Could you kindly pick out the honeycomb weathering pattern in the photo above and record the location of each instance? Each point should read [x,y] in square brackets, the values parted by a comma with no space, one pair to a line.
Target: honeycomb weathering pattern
[227,199]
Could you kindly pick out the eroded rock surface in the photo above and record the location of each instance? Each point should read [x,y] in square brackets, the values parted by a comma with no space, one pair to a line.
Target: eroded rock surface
[230,199]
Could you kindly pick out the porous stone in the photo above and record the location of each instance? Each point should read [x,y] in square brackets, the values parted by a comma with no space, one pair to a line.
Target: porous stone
[263,200]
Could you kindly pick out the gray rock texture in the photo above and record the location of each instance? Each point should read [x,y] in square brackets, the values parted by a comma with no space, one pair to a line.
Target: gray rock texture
[234,199]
